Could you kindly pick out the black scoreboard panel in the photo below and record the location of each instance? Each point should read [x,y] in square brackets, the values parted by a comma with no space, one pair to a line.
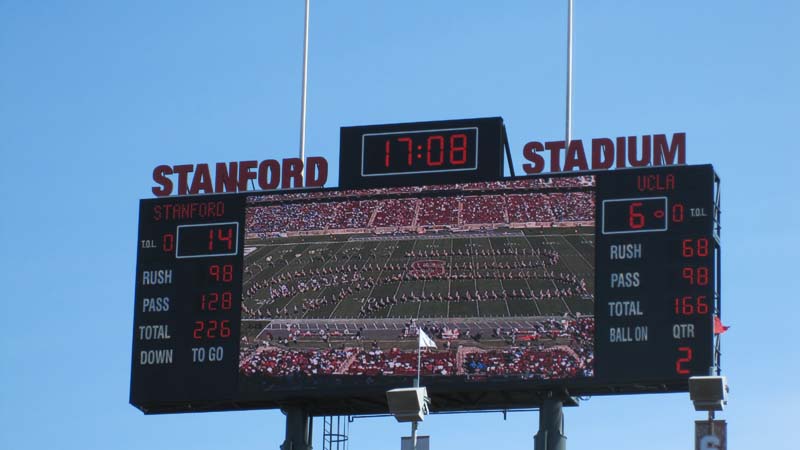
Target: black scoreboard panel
[188,294]
[656,273]
[596,283]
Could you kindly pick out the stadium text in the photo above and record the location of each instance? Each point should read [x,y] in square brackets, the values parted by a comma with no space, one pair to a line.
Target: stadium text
[234,176]
[606,153]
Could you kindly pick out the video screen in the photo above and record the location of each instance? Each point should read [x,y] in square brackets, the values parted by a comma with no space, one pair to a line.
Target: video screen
[338,284]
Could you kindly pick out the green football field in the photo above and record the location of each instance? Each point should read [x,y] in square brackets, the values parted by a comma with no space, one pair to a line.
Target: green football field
[498,273]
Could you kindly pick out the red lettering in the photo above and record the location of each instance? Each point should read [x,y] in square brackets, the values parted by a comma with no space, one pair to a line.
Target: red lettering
[691,248]
[658,183]
[689,305]
[665,153]
[633,159]
[679,364]
[269,174]
[246,173]
[529,152]
[224,329]
[183,177]
[168,242]
[459,148]
[602,153]
[621,152]
[636,219]
[227,300]
[575,157]
[208,329]
[160,177]
[316,171]
[226,177]
[201,180]
[199,326]
[234,176]
[221,273]
[555,154]
[292,175]
[694,276]
[677,213]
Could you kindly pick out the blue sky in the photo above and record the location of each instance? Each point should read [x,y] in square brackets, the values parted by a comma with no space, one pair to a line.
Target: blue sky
[95,94]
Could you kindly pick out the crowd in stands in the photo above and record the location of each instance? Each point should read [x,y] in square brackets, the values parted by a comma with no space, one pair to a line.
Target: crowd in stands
[438,211]
[395,212]
[524,354]
[396,362]
[475,210]
[524,183]
[311,216]
[521,207]
[550,364]
[567,206]
[479,209]
[276,362]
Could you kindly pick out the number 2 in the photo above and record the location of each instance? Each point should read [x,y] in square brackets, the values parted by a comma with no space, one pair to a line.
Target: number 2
[679,364]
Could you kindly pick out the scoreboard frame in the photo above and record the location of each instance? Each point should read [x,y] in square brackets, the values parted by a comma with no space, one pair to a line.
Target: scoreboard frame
[219,389]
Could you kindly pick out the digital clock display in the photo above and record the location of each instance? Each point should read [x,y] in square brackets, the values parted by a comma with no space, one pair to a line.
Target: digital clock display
[418,153]
[454,149]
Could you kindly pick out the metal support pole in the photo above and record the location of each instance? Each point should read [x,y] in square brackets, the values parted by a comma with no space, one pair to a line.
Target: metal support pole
[419,365]
[551,427]
[414,435]
[568,137]
[711,423]
[298,429]
[303,95]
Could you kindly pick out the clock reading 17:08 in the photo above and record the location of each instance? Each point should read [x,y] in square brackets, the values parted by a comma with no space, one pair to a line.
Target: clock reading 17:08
[428,151]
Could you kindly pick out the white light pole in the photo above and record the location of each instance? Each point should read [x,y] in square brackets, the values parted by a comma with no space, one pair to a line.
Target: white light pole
[568,136]
[303,95]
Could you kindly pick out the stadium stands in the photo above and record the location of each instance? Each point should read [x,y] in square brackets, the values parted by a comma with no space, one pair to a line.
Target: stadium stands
[528,358]
[363,216]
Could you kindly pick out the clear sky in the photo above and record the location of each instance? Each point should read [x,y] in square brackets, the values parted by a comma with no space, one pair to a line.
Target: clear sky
[95,94]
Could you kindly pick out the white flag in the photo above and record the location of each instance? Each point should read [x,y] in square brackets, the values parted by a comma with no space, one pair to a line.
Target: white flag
[425,341]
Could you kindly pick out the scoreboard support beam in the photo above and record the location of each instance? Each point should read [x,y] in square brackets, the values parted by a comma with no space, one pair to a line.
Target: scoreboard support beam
[298,429]
[551,426]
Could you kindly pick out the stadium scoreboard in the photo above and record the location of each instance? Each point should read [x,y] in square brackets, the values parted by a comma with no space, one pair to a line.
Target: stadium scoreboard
[592,283]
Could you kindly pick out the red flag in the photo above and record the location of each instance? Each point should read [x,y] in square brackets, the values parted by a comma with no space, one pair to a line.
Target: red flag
[719,328]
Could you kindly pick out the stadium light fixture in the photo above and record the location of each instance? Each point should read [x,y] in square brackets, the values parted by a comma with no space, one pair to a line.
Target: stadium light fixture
[709,393]
[408,404]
